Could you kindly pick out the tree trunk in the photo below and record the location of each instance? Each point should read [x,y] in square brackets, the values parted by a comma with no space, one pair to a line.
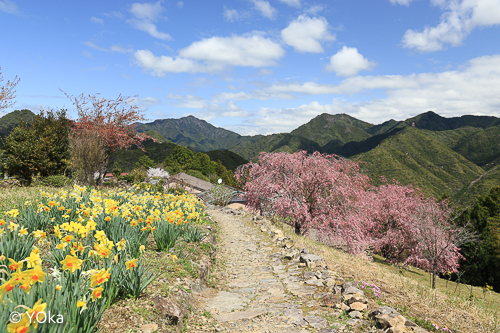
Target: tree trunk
[434,268]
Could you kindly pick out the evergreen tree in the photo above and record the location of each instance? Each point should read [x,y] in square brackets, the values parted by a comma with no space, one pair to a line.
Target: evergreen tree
[39,148]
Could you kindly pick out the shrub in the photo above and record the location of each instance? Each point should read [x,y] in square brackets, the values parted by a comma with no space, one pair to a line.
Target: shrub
[138,175]
[197,174]
[56,181]
[220,195]
[176,191]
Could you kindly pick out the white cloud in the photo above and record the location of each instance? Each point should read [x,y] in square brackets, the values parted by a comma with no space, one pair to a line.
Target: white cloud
[457,22]
[448,93]
[264,72]
[144,16]
[87,54]
[144,102]
[265,8]
[305,34]
[253,51]
[293,3]
[401,2]
[113,48]
[188,101]
[8,7]
[180,4]
[315,9]
[231,15]
[229,110]
[159,66]
[97,20]
[150,28]
[348,62]
[146,11]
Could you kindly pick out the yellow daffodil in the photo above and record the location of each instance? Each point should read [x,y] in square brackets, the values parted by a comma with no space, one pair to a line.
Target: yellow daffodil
[58,287]
[131,264]
[97,293]
[37,314]
[21,326]
[15,265]
[71,263]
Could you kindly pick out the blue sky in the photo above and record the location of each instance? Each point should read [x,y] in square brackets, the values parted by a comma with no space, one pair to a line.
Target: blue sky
[258,66]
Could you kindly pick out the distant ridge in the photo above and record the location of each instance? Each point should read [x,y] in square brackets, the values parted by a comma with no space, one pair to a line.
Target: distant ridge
[457,156]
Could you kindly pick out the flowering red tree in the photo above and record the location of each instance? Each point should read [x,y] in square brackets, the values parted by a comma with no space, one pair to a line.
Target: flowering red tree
[7,91]
[309,191]
[103,125]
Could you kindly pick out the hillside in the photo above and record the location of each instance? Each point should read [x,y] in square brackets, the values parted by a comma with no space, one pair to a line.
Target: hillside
[229,159]
[413,156]
[339,127]
[283,142]
[12,119]
[193,132]
[481,147]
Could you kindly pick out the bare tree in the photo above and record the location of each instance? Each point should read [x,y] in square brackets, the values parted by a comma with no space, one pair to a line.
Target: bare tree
[7,92]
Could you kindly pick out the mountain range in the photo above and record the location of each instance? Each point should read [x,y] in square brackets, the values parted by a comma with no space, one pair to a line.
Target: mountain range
[458,156]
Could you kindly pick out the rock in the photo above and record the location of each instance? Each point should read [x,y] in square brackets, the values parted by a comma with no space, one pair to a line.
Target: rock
[301,265]
[390,320]
[358,306]
[328,330]
[343,307]
[353,290]
[351,298]
[169,309]
[382,310]
[308,275]
[330,300]
[288,244]
[398,329]
[310,258]
[290,255]
[350,284]
[314,282]
[238,315]
[311,264]
[149,328]
[316,321]
[302,291]
[197,286]
[339,281]
[305,251]
[356,315]
[263,229]
[277,234]
[337,290]
[296,316]
[329,282]
[354,322]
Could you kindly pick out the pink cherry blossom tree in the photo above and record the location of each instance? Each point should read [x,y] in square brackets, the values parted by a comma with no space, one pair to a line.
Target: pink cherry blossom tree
[310,191]
[328,194]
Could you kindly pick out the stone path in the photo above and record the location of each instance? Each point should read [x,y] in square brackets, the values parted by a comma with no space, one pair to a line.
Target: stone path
[261,291]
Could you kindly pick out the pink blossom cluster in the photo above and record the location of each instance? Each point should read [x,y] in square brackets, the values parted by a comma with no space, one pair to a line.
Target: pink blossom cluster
[376,290]
[328,194]
[437,328]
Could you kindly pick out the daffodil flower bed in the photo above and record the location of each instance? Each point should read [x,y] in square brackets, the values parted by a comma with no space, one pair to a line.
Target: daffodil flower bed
[69,256]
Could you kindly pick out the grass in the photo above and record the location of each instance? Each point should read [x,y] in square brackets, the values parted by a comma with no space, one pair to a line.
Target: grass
[449,305]
[16,196]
